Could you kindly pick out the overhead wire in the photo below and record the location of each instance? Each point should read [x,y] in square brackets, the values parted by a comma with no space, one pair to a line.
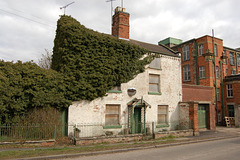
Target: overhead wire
[29,19]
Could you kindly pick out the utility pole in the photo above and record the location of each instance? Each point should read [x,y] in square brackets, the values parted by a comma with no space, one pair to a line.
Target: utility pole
[111,11]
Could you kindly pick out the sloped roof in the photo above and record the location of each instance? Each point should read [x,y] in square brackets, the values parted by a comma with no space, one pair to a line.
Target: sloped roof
[161,49]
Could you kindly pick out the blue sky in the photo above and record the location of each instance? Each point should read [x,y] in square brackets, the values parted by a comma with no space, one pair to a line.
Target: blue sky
[28,26]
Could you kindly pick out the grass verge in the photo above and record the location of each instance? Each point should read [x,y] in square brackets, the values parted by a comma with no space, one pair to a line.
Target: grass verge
[31,152]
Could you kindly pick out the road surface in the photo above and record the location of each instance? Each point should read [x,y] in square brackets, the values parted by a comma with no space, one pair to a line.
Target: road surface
[227,149]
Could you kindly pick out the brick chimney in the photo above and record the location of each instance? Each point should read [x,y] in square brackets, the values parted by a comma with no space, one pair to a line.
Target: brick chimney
[120,23]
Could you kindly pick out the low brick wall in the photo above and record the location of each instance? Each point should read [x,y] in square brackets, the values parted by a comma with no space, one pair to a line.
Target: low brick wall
[131,138]
[179,133]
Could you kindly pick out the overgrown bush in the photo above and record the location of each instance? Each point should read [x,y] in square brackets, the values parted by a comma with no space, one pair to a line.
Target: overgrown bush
[24,86]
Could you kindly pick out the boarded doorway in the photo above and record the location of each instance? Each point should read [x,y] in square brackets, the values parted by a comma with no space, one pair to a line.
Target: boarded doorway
[202,115]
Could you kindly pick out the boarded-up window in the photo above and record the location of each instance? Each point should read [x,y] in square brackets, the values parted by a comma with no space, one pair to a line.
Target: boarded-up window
[162,114]
[112,115]
[154,81]
[155,64]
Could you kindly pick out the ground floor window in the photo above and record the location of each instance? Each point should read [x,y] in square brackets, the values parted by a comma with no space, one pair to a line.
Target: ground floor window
[112,114]
[162,114]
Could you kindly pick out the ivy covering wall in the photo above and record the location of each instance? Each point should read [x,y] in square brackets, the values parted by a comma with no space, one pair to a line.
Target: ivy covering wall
[93,62]
[85,65]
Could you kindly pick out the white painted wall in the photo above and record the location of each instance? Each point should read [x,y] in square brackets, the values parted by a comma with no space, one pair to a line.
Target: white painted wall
[93,112]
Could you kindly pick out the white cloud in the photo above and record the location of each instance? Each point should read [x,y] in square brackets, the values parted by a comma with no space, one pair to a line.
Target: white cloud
[28,27]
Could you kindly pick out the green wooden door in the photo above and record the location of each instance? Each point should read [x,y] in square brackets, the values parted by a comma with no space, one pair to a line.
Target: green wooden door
[202,116]
[137,120]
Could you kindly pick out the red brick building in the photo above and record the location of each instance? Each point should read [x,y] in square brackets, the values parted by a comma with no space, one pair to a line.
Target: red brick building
[232,97]
[206,62]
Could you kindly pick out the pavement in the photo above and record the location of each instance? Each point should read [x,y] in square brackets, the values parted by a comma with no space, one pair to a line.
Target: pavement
[205,135]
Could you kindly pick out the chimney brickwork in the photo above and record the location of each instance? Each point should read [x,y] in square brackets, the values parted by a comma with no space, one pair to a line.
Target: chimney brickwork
[120,24]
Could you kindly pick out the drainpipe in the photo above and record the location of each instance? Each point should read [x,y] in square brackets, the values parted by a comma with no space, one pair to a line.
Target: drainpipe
[197,71]
[215,77]
[222,96]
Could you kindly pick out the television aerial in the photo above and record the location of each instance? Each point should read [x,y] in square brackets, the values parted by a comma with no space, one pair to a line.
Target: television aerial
[64,7]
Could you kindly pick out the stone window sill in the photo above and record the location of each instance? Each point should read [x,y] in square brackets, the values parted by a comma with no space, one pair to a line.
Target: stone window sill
[112,127]
[153,93]
[162,125]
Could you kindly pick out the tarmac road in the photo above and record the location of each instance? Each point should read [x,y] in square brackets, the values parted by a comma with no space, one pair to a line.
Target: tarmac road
[226,149]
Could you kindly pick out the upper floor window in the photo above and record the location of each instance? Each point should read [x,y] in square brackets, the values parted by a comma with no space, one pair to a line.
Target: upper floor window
[217,71]
[154,83]
[215,50]
[185,53]
[186,73]
[229,90]
[202,72]
[226,72]
[233,72]
[155,64]
[200,50]
[218,94]
[238,59]
[231,58]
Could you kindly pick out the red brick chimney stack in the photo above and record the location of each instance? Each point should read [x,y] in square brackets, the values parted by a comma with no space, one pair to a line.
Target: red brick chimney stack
[120,23]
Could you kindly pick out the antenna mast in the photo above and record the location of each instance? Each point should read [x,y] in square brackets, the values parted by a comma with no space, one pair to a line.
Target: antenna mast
[64,7]
[111,9]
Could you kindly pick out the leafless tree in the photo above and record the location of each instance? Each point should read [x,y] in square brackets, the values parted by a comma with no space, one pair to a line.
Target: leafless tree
[46,60]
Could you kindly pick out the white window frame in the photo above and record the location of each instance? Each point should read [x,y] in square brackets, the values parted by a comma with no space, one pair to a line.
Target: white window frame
[232,58]
[217,71]
[238,59]
[186,73]
[185,53]
[200,50]
[233,72]
[229,90]
[215,49]
[202,72]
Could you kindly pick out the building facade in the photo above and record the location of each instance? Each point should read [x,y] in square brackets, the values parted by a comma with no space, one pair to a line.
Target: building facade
[206,62]
[151,97]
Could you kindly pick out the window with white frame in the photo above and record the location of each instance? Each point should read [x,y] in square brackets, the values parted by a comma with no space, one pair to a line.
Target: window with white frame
[154,83]
[217,71]
[238,59]
[185,53]
[231,58]
[186,73]
[218,94]
[202,72]
[155,64]
[200,50]
[229,90]
[215,50]
[162,114]
[233,72]
[112,114]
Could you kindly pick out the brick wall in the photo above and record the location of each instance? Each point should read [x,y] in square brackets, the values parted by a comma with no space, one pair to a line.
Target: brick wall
[196,94]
